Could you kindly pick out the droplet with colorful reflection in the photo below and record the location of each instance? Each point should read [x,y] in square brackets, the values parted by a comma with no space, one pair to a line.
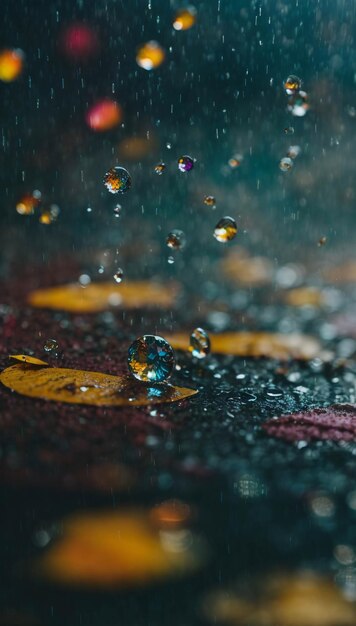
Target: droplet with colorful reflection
[298,104]
[199,344]
[117,180]
[285,164]
[11,64]
[210,201]
[160,168]
[185,18]
[28,203]
[151,359]
[185,163]
[292,84]
[46,218]
[225,229]
[104,115]
[176,240]
[119,274]
[150,55]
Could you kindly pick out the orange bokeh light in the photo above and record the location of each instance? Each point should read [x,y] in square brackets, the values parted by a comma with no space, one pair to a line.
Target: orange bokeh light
[11,64]
[104,115]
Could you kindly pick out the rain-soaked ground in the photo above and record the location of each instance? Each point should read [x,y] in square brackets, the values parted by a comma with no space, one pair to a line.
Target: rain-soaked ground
[236,505]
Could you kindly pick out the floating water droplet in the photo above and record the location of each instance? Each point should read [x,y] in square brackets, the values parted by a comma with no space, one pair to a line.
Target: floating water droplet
[119,274]
[160,168]
[292,84]
[170,260]
[169,145]
[285,164]
[117,210]
[235,161]
[210,201]
[176,240]
[150,55]
[225,229]
[289,130]
[84,280]
[51,346]
[199,343]
[322,241]
[298,104]
[117,180]
[151,359]
[293,152]
[185,18]
[185,163]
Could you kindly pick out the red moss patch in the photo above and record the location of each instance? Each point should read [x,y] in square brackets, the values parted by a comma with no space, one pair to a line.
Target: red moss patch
[334,423]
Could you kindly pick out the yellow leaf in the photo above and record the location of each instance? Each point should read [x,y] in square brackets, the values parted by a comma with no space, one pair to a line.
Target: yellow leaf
[81,387]
[255,344]
[101,296]
[108,549]
[30,360]
[305,296]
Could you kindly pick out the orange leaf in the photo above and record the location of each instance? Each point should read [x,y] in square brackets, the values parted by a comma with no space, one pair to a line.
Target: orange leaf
[109,549]
[255,344]
[305,296]
[30,360]
[81,387]
[101,296]
[245,270]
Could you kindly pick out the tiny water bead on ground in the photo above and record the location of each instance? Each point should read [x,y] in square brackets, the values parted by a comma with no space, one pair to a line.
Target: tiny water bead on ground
[117,180]
[225,229]
[176,240]
[151,359]
[185,163]
[199,344]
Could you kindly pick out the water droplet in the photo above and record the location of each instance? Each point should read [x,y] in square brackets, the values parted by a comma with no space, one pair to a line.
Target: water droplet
[28,203]
[150,55]
[151,359]
[168,145]
[160,168]
[322,241]
[176,240]
[170,260]
[185,163]
[293,152]
[51,346]
[235,161]
[199,343]
[292,84]
[273,392]
[225,229]
[210,201]
[119,274]
[285,164]
[117,210]
[117,180]
[298,104]
[289,130]
[84,280]
[185,18]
